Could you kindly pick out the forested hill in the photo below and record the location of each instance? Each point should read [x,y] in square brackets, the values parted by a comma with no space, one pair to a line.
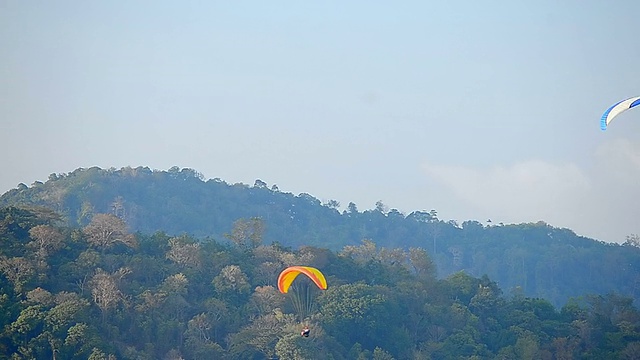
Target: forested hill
[101,293]
[535,258]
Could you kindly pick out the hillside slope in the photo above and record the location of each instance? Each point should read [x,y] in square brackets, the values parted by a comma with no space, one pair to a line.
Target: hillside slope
[535,259]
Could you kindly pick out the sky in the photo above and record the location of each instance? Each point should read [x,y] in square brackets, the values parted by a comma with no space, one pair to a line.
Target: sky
[477,109]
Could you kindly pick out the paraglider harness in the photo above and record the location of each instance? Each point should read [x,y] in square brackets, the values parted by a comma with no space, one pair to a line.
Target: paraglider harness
[305,332]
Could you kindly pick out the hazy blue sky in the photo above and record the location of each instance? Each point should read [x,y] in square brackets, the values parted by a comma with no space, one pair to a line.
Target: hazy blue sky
[478,109]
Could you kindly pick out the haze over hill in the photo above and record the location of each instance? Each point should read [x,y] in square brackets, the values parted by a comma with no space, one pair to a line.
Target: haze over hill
[539,259]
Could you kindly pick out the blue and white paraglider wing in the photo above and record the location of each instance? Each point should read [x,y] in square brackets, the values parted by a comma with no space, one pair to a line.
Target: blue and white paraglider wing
[618,109]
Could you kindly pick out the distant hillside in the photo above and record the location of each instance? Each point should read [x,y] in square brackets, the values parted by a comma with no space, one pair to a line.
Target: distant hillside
[535,259]
[99,292]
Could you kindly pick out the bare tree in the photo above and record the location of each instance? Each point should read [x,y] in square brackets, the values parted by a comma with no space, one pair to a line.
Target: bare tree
[40,296]
[118,207]
[105,290]
[362,253]
[105,230]
[46,240]
[247,234]
[199,327]
[457,253]
[184,254]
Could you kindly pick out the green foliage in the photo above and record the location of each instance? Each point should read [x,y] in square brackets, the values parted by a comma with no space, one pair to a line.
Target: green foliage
[535,258]
[167,287]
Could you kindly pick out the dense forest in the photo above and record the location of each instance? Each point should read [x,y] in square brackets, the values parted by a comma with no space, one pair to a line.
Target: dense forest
[535,259]
[98,291]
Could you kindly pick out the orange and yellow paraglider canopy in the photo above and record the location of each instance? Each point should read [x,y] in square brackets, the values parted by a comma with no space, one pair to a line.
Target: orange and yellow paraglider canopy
[289,274]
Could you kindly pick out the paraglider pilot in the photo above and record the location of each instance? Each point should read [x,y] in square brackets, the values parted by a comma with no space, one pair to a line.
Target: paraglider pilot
[305,331]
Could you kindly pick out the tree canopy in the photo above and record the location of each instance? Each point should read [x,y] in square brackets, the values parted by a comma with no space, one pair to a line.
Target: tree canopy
[161,296]
[536,259]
